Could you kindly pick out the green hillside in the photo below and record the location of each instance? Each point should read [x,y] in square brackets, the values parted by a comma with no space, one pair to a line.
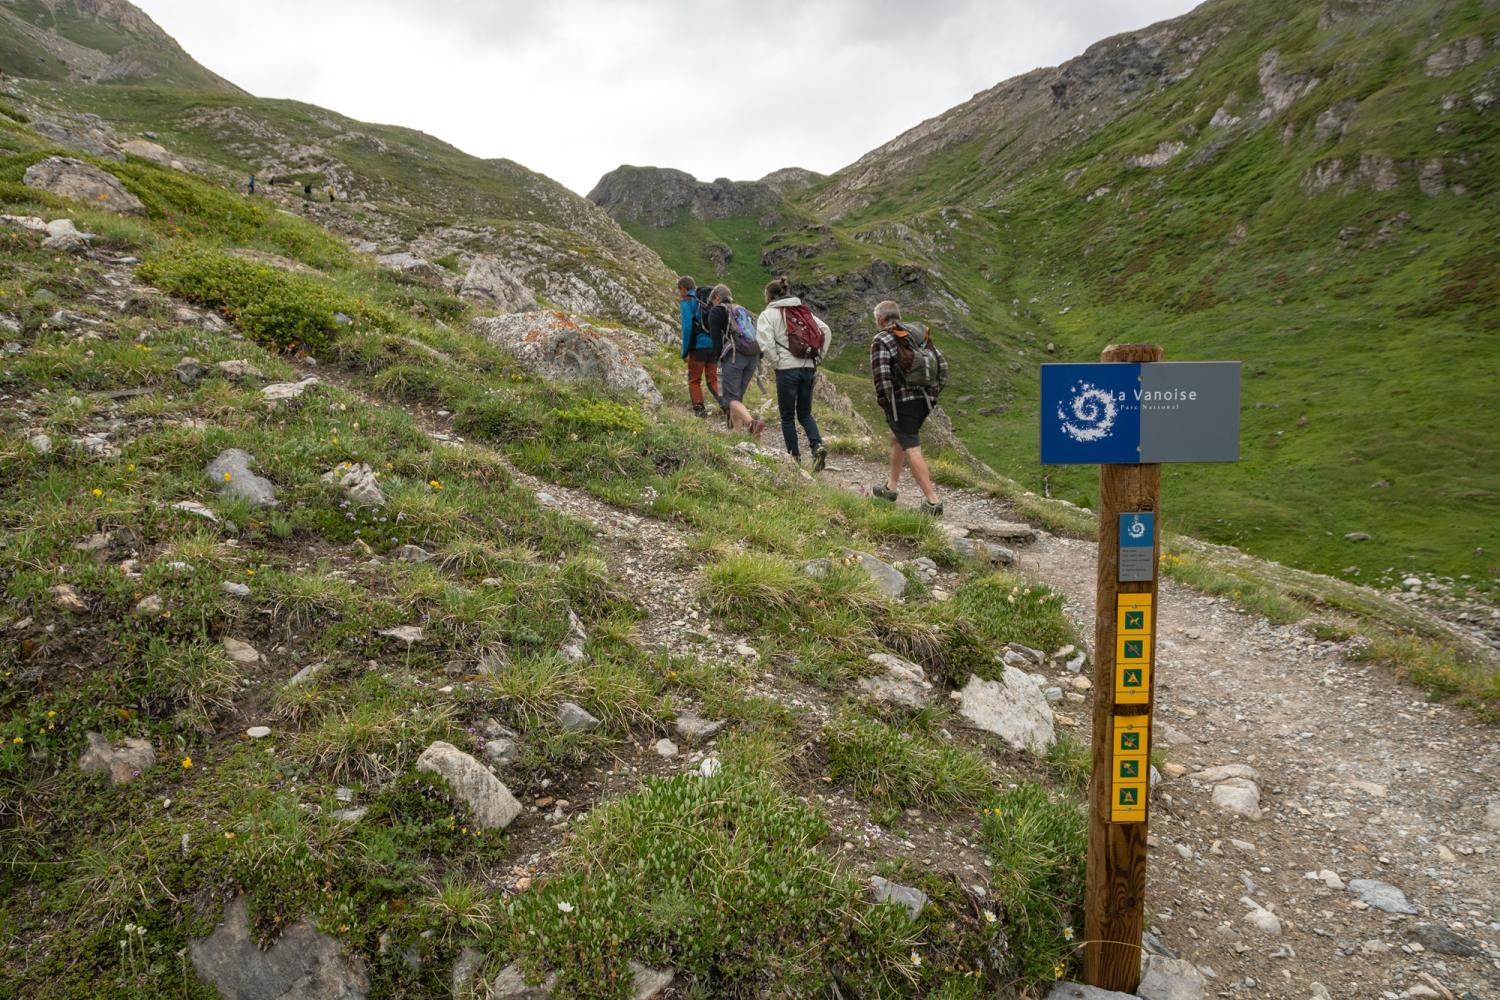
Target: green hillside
[1308,188]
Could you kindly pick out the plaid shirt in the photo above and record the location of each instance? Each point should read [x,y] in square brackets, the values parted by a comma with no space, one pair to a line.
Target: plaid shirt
[885,365]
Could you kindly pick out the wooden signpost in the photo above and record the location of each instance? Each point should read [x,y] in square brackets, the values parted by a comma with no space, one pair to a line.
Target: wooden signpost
[1130,413]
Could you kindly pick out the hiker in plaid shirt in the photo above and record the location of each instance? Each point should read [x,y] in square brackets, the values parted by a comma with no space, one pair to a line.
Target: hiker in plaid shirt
[905,406]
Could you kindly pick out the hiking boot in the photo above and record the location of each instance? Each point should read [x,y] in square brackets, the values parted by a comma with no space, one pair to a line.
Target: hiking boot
[699,411]
[820,458]
[884,492]
[757,428]
[934,509]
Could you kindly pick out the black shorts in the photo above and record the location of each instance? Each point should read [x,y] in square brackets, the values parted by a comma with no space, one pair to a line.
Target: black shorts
[907,424]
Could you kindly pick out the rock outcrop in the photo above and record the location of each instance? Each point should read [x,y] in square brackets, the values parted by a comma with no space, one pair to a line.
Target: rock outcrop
[301,964]
[82,182]
[557,346]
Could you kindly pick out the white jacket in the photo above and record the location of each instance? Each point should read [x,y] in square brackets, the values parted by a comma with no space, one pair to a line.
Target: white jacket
[770,333]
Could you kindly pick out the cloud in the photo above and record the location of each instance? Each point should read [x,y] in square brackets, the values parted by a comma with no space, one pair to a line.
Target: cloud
[574,88]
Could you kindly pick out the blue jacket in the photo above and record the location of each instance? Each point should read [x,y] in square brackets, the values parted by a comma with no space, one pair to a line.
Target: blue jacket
[704,341]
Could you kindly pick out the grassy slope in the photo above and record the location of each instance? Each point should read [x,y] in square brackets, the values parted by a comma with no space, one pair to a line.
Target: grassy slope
[684,247]
[1362,336]
[84,860]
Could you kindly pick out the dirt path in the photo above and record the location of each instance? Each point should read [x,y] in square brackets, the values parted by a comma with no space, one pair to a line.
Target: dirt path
[1359,778]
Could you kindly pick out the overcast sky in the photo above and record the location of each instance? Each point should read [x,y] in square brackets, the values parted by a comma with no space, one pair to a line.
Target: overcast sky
[574,88]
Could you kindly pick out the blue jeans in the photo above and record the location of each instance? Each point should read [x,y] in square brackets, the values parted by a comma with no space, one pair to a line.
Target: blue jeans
[794,392]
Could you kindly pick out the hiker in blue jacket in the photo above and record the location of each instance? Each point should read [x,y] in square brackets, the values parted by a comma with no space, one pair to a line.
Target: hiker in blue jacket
[698,347]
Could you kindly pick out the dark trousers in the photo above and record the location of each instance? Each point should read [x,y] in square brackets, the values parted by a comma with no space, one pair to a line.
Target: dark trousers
[794,393]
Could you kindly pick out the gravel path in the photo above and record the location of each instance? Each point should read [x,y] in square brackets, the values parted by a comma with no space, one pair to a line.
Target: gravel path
[1359,778]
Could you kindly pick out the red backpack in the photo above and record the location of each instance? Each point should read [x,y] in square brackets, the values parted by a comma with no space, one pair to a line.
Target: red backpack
[804,338]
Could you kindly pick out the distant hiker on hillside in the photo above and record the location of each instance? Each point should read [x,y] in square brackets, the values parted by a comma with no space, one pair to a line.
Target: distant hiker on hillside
[909,373]
[330,194]
[699,349]
[739,358]
[794,340]
[307,192]
[252,184]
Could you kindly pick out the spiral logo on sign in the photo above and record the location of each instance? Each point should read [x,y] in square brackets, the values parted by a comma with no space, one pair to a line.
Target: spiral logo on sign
[1090,415]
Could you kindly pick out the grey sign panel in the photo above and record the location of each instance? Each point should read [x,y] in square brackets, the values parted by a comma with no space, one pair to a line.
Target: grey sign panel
[1190,411]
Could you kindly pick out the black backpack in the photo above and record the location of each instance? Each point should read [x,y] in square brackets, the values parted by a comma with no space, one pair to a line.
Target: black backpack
[701,296]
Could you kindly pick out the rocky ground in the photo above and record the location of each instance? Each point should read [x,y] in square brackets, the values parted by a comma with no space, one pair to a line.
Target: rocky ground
[1366,864]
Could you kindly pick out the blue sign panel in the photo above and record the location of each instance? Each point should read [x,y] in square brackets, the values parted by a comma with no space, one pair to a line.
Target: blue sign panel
[1125,414]
[1091,414]
[1137,530]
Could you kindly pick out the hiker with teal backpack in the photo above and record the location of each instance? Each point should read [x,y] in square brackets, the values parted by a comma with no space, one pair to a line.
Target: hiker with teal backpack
[739,359]
[793,341]
[699,349]
[909,373]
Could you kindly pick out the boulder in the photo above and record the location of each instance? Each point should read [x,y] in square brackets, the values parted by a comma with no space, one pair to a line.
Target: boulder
[230,472]
[358,482]
[123,761]
[82,182]
[556,346]
[1013,708]
[902,683]
[241,653]
[884,891]
[492,804]
[491,282]
[302,963]
[1165,978]
[1437,938]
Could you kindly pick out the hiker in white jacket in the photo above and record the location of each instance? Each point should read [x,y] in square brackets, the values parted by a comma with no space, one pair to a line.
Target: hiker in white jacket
[795,376]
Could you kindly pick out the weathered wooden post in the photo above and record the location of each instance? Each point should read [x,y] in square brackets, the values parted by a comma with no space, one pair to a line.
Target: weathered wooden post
[1129,413]
[1124,650]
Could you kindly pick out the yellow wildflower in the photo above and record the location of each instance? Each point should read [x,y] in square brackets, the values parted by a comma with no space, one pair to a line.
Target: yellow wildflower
[187,762]
[228,476]
[96,491]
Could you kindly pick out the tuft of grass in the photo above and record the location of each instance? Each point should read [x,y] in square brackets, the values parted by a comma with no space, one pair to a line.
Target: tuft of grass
[1038,845]
[1441,670]
[1072,760]
[720,877]
[901,768]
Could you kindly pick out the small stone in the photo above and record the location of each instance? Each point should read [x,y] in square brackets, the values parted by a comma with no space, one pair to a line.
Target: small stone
[1381,895]
[66,596]
[1165,978]
[511,985]
[359,483]
[301,962]
[884,891]
[1264,921]
[574,718]
[239,369]
[1243,846]
[1239,797]
[123,761]
[1435,937]
[41,444]
[413,553]
[148,607]
[241,653]
[665,748]
[502,751]
[408,634]
[231,475]
[710,767]
[234,589]
[903,683]
[1173,770]
[197,510]
[1075,665]
[1492,814]
[1013,708]
[258,732]
[1357,536]
[692,727]
[647,983]
[747,651]
[1223,772]
[280,391]
[188,370]
[493,805]
[350,815]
